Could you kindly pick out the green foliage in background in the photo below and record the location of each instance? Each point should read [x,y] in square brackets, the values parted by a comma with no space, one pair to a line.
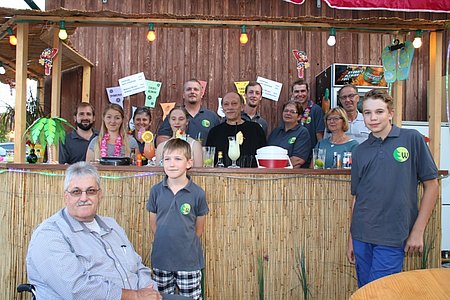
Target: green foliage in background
[34,111]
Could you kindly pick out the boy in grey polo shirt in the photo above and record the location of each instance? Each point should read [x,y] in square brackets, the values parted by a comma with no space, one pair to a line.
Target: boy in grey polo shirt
[178,210]
[386,221]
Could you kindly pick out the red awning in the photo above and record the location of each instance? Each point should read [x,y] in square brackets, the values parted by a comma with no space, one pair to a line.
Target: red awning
[395,5]
[296,1]
[398,5]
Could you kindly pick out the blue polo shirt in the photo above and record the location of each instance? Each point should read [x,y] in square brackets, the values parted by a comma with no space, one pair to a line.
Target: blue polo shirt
[384,179]
[314,122]
[296,141]
[74,149]
[201,123]
[176,246]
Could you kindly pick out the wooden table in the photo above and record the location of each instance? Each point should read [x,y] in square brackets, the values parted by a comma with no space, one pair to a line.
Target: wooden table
[426,284]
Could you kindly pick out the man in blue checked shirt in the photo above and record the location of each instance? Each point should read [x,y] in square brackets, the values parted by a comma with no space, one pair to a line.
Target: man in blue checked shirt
[77,254]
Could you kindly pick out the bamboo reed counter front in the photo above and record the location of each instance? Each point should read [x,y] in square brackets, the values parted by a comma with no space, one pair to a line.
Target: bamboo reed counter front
[273,231]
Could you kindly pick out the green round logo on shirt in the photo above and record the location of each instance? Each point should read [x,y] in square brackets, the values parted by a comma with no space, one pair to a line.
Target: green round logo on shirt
[206,123]
[292,140]
[308,120]
[185,208]
[401,154]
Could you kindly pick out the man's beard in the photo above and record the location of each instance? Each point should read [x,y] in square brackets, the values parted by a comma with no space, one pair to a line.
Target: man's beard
[252,105]
[85,127]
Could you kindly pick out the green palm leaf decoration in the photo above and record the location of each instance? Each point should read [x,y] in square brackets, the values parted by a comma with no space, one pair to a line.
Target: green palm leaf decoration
[48,131]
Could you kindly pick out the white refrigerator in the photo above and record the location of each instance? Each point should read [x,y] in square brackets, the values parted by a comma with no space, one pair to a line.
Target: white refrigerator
[422,127]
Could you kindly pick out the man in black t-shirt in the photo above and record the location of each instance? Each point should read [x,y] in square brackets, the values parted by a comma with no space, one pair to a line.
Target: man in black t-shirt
[254,137]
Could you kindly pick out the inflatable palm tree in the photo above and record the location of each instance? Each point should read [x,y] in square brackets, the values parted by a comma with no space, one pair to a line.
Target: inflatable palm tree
[48,131]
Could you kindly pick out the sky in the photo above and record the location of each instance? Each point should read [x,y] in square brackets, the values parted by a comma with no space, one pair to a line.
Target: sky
[7,97]
[20,4]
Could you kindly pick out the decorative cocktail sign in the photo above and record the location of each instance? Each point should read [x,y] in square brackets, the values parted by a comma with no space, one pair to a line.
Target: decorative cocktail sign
[302,62]
[271,89]
[132,84]
[152,92]
[46,59]
[115,95]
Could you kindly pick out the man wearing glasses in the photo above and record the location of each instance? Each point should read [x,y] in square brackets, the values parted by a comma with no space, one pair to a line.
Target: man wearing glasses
[77,254]
[348,97]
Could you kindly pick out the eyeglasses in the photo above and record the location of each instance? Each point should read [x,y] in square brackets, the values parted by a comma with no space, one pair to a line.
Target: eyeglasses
[351,96]
[334,119]
[78,192]
[291,111]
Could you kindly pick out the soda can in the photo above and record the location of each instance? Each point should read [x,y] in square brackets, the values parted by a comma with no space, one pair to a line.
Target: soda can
[347,160]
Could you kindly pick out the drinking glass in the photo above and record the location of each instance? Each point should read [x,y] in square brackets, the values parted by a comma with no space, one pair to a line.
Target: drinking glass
[319,158]
[208,156]
[233,151]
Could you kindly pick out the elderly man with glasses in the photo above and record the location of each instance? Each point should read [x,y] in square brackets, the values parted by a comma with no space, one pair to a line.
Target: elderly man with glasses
[77,254]
[349,98]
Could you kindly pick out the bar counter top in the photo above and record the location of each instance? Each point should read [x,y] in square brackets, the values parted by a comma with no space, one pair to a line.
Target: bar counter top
[193,170]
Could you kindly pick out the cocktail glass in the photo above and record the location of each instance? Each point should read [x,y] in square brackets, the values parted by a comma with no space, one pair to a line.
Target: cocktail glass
[319,158]
[233,151]
[208,156]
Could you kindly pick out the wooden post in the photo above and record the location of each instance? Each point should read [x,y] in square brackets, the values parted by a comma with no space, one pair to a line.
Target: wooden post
[86,85]
[435,95]
[21,92]
[41,92]
[56,77]
[398,102]
[56,86]
[397,94]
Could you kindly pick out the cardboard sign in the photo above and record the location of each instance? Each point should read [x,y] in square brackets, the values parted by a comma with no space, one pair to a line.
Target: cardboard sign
[240,87]
[204,84]
[152,92]
[220,111]
[271,89]
[115,95]
[132,84]
[166,107]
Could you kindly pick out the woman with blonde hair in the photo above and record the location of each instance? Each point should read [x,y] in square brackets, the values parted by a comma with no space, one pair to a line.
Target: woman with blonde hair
[336,123]
[179,120]
[113,140]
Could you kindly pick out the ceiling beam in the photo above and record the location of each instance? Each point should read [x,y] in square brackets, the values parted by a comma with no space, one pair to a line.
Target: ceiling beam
[380,24]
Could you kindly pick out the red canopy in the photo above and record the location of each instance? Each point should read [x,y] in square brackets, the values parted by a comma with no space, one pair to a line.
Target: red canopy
[296,1]
[396,5]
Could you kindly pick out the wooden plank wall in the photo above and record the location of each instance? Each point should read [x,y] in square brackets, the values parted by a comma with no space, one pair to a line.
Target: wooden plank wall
[215,55]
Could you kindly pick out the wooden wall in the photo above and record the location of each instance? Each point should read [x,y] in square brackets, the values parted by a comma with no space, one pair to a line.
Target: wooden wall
[215,55]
